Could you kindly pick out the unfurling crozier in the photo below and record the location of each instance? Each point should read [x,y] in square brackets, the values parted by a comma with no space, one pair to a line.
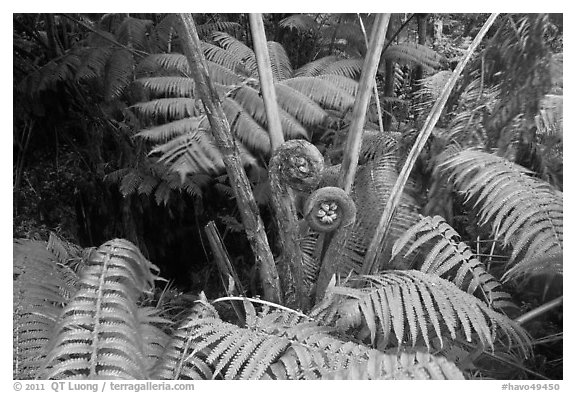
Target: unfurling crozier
[328,208]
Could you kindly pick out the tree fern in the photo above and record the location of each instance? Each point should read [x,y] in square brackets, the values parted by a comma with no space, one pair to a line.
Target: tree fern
[524,212]
[399,307]
[41,288]
[450,258]
[99,333]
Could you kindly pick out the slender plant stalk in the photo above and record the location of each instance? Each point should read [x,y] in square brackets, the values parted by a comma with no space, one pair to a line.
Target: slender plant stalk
[540,310]
[375,87]
[354,141]
[247,206]
[290,261]
[266,80]
[377,243]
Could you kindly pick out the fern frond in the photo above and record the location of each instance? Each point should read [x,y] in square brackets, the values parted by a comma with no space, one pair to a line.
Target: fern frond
[119,73]
[307,112]
[93,63]
[169,85]
[350,68]
[133,32]
[247,129]
[407,303]
[42,287]
[300,22]
[176,63]
[404,365]
[169,108]
[452,259]
[99,334]
[254,106]
[165,132]
[206,29]
[525,212]
[189,153]
[279,61]
[273,345]
[316,67]
[172,62]
[413,54]
[321,91]
[236,50]
[348,85]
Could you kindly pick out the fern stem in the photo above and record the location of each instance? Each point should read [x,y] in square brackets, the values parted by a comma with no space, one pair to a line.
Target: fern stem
[377,243]
[259,301]
[522,319]
[247,206]
[375,87]
[266,80]
[354,141]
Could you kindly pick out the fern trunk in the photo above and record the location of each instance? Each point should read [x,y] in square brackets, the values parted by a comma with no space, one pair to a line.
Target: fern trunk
[247,206]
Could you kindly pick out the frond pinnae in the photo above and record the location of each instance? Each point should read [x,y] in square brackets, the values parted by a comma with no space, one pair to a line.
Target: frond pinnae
[99,332]
[399,307]
[450,258]
[279,61]
[322,91]
[525,212]
[405,365]
[42,287]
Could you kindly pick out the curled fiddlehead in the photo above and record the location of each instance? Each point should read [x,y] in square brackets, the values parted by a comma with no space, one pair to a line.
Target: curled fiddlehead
[297,164]
[329,208]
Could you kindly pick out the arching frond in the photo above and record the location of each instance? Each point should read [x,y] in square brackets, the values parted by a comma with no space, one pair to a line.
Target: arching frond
[413,53]
[133,32]
[304,109]
[238,50]
[167,131]
[171,62]
[169,85]
[247,129]
[279,61]
[350,68]
[253,103]
[316,67]
[450,258]
[224,58]
[524,212]
[189,153]
[41,289]
[204,30]
[321,91]
[169,108]
[399,307]
[93,63]
[404,365]
[350,86]
[300,22]
[273,345]
[119,73]
[99,334]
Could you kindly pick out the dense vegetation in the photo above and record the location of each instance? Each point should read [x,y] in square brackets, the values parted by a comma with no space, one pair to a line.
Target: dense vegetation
[112,141]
